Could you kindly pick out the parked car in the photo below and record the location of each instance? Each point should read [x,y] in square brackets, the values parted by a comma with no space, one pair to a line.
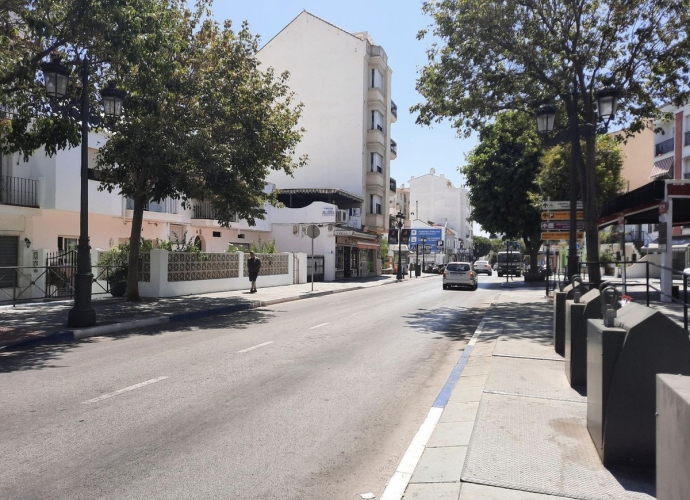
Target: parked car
[482,266]
[459,274]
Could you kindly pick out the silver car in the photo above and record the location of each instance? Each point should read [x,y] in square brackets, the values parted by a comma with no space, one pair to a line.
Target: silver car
[459,274]
[482,266]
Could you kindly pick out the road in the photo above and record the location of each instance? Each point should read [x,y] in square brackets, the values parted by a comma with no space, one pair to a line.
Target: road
[317,398]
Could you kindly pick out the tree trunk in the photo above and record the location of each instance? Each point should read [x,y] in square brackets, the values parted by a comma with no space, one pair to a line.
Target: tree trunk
[590,209]
[532,245]
[134,246]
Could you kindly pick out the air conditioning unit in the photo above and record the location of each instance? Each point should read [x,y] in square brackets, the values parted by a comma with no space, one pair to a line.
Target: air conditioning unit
[342,216]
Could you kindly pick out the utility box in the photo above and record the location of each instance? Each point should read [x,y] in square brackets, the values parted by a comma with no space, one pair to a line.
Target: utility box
[559,316]
[621,381]
[577,315]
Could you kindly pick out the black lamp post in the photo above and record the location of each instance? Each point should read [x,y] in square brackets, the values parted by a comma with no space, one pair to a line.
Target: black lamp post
[423,240]
[56,76]
[401,222]
[607,103]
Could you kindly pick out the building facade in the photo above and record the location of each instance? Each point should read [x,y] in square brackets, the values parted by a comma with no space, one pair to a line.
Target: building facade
[435,199]
[344,81]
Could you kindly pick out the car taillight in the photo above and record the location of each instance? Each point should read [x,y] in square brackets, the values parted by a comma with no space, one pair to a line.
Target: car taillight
[471,274]
[444,274]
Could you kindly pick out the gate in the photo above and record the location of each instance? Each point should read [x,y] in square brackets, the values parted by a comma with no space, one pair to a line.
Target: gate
[61,267]
[315,264]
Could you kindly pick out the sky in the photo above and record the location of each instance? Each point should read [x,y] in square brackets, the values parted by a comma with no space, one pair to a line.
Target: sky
[393,24]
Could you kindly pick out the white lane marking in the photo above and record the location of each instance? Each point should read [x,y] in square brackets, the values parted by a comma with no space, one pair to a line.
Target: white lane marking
[126,389]
[255,347]
[398,483]
[318,326]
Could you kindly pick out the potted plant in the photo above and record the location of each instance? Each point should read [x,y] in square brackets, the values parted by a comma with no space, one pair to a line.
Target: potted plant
[116,263]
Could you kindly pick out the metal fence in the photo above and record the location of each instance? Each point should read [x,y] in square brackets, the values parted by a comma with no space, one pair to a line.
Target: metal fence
[642,289]
[18,191]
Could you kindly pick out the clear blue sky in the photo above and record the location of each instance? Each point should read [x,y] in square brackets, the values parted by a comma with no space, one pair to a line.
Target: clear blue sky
[393,24]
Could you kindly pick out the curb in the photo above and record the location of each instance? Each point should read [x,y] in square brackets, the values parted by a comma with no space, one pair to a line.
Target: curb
[96,331]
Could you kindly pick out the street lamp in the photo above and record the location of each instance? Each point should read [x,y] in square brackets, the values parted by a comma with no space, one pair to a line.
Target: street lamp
[401,222]
[607,103]
[423,240]
[56,75]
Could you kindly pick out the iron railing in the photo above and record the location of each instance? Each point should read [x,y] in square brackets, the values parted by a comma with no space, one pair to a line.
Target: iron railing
[394,147]
[18,191]
[394,109]
[203,210]
[392,185]
[664,147]
[165,206]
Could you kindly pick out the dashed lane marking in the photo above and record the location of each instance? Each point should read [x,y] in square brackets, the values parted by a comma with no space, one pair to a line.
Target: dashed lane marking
[255,347]
[121,391]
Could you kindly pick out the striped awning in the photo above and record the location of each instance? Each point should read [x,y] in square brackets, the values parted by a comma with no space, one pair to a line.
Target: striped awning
[662,168]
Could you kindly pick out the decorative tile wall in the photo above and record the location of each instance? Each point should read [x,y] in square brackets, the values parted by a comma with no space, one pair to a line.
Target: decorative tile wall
[271,264]
[189,266]
[144,269]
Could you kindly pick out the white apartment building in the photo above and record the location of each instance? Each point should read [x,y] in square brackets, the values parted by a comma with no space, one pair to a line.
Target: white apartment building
[433,198]
[40,203]
[400,203]
[344,81]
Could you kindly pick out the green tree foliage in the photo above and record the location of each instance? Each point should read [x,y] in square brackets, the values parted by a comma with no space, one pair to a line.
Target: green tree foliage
[491,56]
[554,178]
[383,252]
[501,174]
[482,246]
[202,122]
[107,32]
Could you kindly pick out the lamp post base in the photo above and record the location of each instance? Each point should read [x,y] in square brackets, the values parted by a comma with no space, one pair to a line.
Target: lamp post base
[82,314]
[399,276]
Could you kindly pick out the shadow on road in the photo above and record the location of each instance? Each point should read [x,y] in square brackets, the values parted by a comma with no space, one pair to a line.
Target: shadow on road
[450,322]
[45,353]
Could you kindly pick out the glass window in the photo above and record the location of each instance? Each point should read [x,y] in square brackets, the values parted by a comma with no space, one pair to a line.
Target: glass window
[340,258]
[458,267]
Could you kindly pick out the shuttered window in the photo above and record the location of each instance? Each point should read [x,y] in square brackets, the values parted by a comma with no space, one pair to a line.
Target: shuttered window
[9,257]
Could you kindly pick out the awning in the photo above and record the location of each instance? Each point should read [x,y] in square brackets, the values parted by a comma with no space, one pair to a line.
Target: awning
[368,246]
[662,168]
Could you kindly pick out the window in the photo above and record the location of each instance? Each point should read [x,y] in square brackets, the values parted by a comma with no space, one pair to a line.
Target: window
[457,267]
[376,79]
[375,204]
[66,243]
[376,121]
[9,257]
[177,234]
[376,163]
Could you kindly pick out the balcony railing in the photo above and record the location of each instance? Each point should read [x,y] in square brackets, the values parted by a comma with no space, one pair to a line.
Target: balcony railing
[394,109]
[394,147]
[18,191]
[166,206]
[203,210]
[687,139]
[664,147]
[392,185]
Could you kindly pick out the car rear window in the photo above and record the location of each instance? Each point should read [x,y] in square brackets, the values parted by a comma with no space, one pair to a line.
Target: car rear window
[481,263]
[458,267]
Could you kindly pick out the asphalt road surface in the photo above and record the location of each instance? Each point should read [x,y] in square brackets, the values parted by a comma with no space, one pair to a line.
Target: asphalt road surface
[313,399]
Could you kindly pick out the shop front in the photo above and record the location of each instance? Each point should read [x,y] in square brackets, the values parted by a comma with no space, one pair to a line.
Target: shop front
[357,255]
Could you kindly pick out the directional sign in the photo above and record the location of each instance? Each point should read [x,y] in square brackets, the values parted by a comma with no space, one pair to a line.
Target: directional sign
[559,205]
[560,226]
[560,215]
[559,235]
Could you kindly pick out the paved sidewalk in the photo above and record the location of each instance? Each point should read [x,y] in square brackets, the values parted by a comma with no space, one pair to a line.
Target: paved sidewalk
[513,428]
[31,322]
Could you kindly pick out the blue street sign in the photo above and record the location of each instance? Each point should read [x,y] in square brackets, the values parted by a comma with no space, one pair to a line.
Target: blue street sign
[433,236]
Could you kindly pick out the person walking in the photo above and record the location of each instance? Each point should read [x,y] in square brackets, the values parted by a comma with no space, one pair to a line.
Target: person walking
[253,267]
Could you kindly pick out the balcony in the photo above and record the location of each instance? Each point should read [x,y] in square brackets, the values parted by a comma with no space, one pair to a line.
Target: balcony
[663,147]
[394,149]
[687,139]
[375,180]
[376,136]
[394,111]
[18,191]
[203,210]
[392,185]
[166,206]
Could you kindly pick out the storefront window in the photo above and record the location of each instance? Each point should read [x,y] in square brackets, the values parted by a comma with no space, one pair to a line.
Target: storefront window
[340,258]
[371,261]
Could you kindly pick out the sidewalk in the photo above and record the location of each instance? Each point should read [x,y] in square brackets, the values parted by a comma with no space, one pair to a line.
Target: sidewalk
[512,428]
[32,322]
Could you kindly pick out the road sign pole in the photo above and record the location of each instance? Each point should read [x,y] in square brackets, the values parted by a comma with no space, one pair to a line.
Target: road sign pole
[313,264]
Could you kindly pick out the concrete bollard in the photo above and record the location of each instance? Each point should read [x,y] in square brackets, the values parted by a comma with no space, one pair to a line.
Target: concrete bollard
[577,314]
[672,437]
[559,314]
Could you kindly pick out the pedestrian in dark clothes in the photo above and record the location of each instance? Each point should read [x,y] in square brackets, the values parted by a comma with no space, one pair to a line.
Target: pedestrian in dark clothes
[253,267]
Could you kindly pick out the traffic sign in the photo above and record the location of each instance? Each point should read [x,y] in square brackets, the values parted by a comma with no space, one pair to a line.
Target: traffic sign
[560,215]
[559,205]
[313,231]
[559,235]
[560,226]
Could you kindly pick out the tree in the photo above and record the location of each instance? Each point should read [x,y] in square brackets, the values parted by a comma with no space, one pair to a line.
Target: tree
[516,54]
[482,246]
[109,32]
[501,174]
[201,122]
[554,178]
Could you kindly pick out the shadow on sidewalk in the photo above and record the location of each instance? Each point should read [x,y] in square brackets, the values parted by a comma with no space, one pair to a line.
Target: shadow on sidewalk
[46,353]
